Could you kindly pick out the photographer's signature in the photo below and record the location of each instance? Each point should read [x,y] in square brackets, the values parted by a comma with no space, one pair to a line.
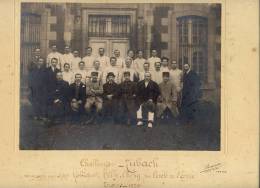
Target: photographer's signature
[213,168]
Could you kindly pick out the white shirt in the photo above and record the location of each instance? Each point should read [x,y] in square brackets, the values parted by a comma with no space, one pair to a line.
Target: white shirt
[165,69]
[104,62]
[116,72]
[83,74]
[157,76]
[66,58]
[139,64]
[176,78]
[120,62]
[54,55]
[75,63]
[152,61]
[132,73]
[100,74]
[68,76]
[89,60]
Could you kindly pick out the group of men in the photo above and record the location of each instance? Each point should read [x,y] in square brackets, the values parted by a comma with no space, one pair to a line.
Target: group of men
[132,90]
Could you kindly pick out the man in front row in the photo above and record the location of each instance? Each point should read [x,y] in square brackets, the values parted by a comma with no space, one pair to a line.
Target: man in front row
[147,94]
[94,92]
[77,97]
[167,101]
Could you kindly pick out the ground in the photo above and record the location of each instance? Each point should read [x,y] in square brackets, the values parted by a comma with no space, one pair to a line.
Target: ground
[204,134]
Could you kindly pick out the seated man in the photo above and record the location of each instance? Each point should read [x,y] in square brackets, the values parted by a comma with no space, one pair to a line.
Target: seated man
[127,93]
[168,98]
[110,94]
[58,101]
[77,97]
[147,93]
[94,91]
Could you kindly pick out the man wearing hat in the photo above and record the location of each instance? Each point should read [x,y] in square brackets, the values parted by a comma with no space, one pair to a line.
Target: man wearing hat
[77,97]
[127,94]
[110,94]
[147,94]
[168,98]
[94,92]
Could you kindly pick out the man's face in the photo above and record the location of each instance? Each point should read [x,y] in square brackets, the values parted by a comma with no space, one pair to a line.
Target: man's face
[37,52]
[128,62]
[157,66]
[186,67]
[165,78]
[78,78]
[54,48]
[59,76]
[75,53]
[164,63]
[40,62]
[67,50]
[101,51]
[147,76]
[111,78]
[54,62]
[81,66]
[96,65]
[94,78]
[113,61]
[146,67]
[117,53]
[174,65]
[127,77]
[89,51]
[131,53]
[140,54]
[154,53]
[66,67]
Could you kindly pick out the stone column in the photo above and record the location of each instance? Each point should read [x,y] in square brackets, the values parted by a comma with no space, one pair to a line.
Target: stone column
[140,27]
[68,25]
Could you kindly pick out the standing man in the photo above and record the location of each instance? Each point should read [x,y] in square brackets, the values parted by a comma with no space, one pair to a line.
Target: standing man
[176,78]
[75,61]
[94,91]
[67,57]
[110,94]
[120,63]
[139,62]
[77,98]
[81,70]
[157,73]
[168,98]
[67,74]
[58,101]
[165,65]
[147,94]
[127,94]
[33,63]
[51,74]
[128,68]
[112,68]
[96,69]
[190,94]
[37,84]
[54,54]
[130,53]
[153,59]
[89,59]
[104,60]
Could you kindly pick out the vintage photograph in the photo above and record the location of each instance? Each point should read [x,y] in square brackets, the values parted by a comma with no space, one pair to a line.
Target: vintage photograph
[135,76]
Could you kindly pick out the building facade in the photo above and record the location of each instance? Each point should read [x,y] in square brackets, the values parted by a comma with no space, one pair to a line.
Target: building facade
[182,32]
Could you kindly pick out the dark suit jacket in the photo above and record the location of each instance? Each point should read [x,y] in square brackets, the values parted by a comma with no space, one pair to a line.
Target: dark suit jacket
[127,89]
[81,92]
[109,89]
[191,88]
[61,92]
[152,91]
[51,78]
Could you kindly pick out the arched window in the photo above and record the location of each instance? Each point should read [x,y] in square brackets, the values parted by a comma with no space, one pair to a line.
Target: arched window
[193,43]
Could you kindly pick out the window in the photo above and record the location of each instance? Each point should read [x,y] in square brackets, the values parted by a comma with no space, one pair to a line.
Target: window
[193,43]
[109,26]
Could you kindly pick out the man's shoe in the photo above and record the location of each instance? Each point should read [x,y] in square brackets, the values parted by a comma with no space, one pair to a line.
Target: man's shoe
[150,125]
[140,123]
